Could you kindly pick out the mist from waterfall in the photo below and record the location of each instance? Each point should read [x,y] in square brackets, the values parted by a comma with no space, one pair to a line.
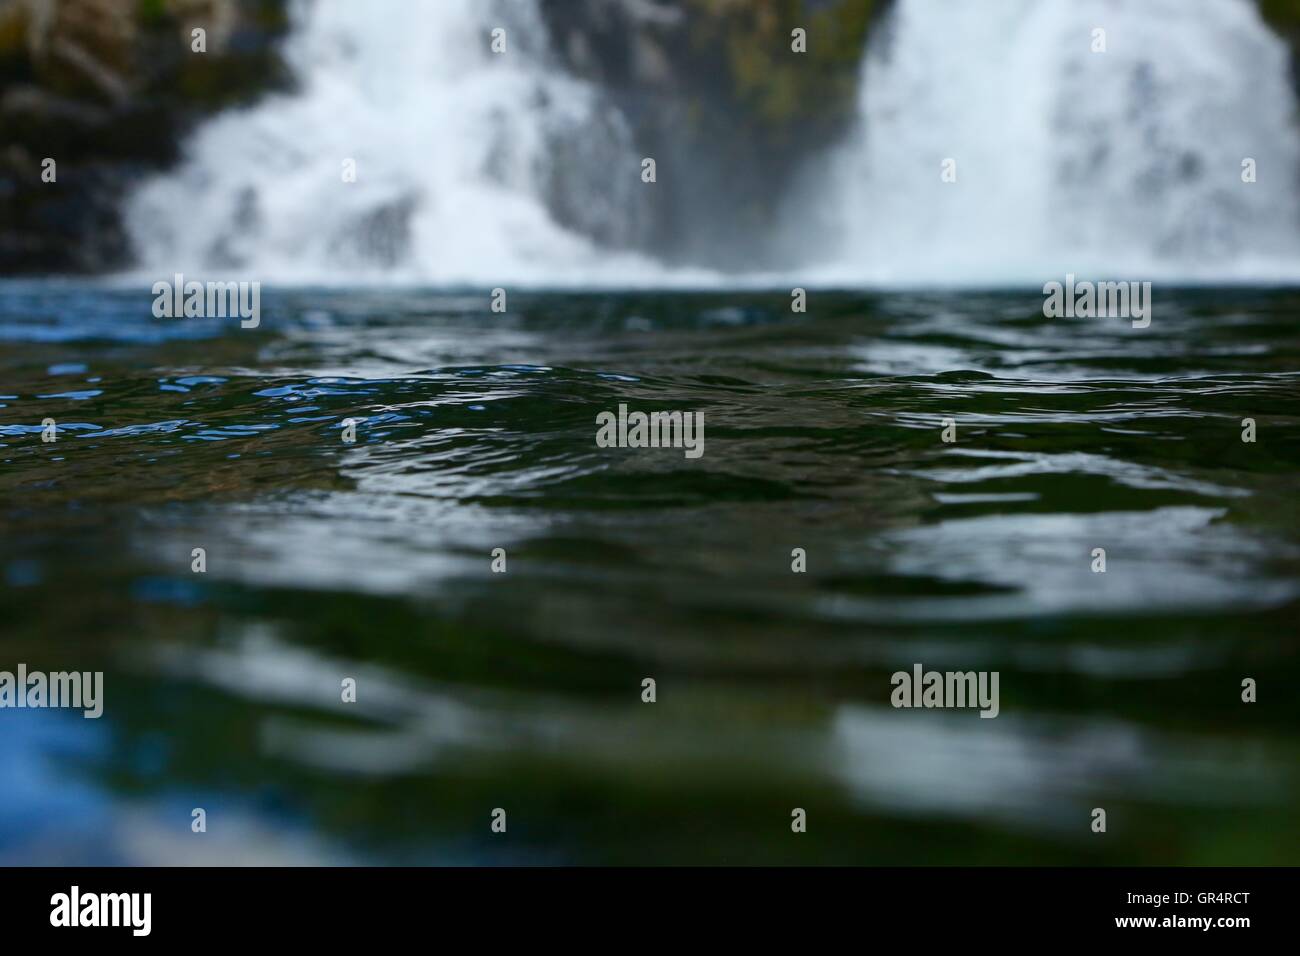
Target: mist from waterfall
[1124,163]
[461,158]
[478,168]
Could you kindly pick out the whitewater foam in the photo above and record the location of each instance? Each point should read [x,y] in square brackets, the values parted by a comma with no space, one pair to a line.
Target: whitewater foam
[481,169]
[454,150]
[1123,163]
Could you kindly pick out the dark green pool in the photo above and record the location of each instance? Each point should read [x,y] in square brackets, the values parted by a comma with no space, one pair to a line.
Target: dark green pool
[523,690]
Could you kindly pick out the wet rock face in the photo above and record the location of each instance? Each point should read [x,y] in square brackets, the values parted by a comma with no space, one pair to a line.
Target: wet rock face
[715,93]
[588,184]
[106,89]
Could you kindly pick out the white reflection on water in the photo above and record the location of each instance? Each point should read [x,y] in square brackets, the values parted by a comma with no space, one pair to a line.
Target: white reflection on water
[1029,769]
[1036,770]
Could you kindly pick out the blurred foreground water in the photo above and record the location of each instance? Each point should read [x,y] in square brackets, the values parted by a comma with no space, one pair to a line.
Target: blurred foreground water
[523,690]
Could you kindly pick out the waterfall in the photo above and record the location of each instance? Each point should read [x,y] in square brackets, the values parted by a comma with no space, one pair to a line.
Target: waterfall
[1125,163]
[466,161]
[478,167]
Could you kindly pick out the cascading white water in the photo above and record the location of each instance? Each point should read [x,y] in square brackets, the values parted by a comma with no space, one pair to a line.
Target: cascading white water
[1126,162]
[456,149]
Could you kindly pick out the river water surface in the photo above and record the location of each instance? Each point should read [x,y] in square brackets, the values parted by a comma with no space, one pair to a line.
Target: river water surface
[523,690]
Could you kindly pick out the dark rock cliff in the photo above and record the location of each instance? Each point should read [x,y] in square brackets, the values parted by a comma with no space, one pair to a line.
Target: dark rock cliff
[718,97]
[107,89]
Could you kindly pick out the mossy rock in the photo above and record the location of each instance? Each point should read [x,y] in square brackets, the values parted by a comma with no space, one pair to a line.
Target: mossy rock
[15,63]
[109,88]
[1283,14]
[781,93]
[714,90]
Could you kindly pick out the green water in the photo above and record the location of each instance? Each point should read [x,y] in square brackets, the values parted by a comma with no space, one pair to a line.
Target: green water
[523,690]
